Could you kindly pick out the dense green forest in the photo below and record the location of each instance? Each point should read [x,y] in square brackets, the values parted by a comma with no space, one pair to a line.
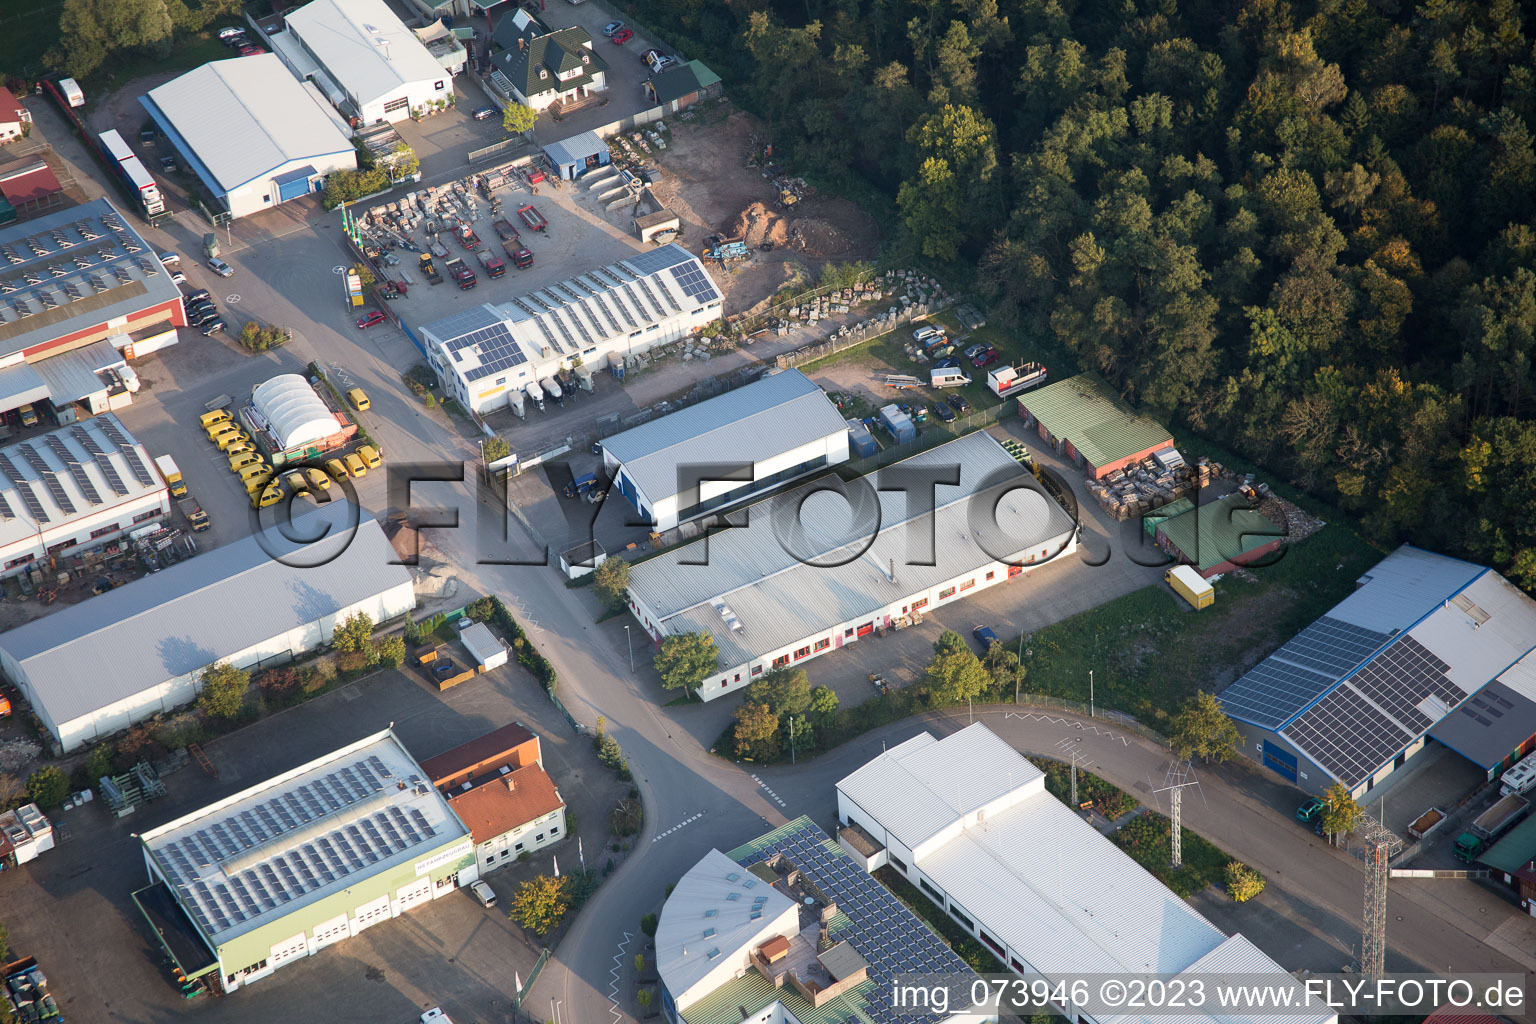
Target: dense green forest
[1303,229]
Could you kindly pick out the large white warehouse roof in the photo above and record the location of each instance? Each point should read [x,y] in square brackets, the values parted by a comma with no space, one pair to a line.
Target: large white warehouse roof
[248,117]
[364,45]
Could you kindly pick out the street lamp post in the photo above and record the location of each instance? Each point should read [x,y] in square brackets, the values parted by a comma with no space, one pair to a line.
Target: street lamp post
[631,644]
[1090,695]
[791,739]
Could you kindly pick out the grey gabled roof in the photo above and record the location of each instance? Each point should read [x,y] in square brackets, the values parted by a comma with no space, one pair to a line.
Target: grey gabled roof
[99,652]
[777,414]
[529,45]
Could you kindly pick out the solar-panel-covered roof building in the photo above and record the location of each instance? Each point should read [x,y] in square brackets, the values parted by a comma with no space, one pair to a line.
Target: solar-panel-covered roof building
[300,861]
[489,356]
[1426,648]
[771,431]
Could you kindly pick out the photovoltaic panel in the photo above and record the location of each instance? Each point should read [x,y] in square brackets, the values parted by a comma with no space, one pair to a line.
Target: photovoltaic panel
[46,474]
[68,458]
[1272,691]
[690,278]
[1347,736]
[1331,646]
[130,454]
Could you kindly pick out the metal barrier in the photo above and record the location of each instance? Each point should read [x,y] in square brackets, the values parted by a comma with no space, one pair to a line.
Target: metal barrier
[494,149]
[533,976]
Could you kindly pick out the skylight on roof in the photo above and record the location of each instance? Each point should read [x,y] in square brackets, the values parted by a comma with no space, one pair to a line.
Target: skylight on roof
[711,912]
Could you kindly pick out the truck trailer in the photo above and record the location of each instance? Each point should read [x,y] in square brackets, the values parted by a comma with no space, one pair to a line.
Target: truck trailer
[1186,582]
[172,474]
[461,274]
[493,266]
[196,517]
[1489,825]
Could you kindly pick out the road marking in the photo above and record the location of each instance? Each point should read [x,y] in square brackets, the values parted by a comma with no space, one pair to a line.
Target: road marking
[769,790]
[232,298]
[682,824]
[613,986]
[528,618]
[1068,722]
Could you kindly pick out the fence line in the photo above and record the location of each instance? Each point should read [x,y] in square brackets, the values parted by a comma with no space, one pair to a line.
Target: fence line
[933,434]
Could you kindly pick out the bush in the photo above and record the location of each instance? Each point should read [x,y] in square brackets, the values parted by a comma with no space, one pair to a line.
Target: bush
[627,817]
[353,634]
[223,690]
[256,338]
[391,651]
[99,762]
[412,633]
[1243,882]
[48,786]
[278,684]
[345,186]
[648,925]
[352,662]
[321,671]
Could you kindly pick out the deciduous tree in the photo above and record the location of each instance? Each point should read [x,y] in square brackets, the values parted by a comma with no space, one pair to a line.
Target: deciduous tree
[1202,729]
[223,689]
[540,903]
[686,659]
[611,582]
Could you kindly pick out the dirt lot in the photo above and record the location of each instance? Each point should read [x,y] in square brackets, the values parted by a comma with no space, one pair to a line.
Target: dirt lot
[707,183]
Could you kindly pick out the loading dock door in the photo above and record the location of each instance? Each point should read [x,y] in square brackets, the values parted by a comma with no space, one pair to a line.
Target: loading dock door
[1280,762]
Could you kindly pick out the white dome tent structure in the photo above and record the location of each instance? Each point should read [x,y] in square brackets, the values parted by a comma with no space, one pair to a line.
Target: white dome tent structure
[293,421]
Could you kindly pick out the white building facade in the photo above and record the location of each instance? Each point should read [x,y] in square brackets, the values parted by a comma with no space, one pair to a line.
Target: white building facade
[363,58]
[774,594]
[237,604]
[968,821]
[495,355]
[774,430]
[79,487]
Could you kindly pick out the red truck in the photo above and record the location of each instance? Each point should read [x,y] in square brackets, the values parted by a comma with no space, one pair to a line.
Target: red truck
[521,258]
[533,218]
[461,274]
[492,264]
[468,239]
[504,230]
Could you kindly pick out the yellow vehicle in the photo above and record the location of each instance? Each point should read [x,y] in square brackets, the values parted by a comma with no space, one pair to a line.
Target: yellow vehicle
[355,465]
[270,496]
[251,472]
[297,486]
[358,399]
[213,419]
[29,415]
[219,430]
[239,462]
[318,480]
[228,441]
[370,456]
[256,484]
[336,469]
[1186,582]
[241,447]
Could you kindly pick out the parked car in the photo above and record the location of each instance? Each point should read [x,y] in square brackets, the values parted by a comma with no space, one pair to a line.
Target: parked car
[168,164]
[336,469]
[355,465]
[612,27]
[984,636]
[959,404]
[1310,810]
[972,351]
[170,259]
[947,364]
[359,399]
[943,412]
[369,319]
[221,268]
[200,294]
[178,277]
[481,113]
[201,317]
[657,67]
[201,306]
[251,50]
[226,34]
[317,479]
[370,456]
[484,893]
[650,55]
[212,327]
[622,36]
[987,358]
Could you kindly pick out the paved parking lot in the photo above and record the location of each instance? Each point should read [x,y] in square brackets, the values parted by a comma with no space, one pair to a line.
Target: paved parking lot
[72,910]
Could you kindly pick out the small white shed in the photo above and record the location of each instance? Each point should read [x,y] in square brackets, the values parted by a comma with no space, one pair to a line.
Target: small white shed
[484,647]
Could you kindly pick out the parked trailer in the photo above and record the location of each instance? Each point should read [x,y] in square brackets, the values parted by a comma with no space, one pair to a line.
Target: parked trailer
[902,381]
[1427,823]
[132,171]
[1489,825]
[533,218]
[535,394]
[504,230]
[1007,381]
[553,388]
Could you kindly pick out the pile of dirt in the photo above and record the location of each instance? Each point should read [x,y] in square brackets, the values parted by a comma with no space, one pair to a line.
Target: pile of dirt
[818,238]
[757,225]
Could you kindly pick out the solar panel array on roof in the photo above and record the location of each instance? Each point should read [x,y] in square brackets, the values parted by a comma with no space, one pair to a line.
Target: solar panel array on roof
[130,453]
[497,349]
[1300,672]
[24,488]
[103,463]
[694,284]
[1347,736]
[890,938]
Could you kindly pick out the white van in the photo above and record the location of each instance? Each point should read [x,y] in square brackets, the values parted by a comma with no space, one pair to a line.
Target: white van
[948,377]
[484,893]
[1519,779]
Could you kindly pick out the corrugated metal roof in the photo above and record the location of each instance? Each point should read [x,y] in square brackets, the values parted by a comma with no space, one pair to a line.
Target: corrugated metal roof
[71,376]
[1218,531]
[1038,878]
[297,414]
[1404,587]
[575,149]
[778,598]
[247,118]
[1087,411]
[184,618]
[771,416]
[1486,728]
[1515,850]
[20,384]
[365,46]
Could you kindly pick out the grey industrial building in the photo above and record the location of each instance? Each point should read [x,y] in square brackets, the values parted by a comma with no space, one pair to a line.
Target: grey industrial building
[776,429]
[1427,649]
[94,668]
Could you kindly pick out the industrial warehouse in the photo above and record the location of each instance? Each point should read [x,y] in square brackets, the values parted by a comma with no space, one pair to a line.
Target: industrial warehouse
[1428,648]
[498,356]
[299,862]
[78,285]
[253,134]
[78,487]
[238,603]
[776,429]
[1086,422]
[967,819]
[767,606]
